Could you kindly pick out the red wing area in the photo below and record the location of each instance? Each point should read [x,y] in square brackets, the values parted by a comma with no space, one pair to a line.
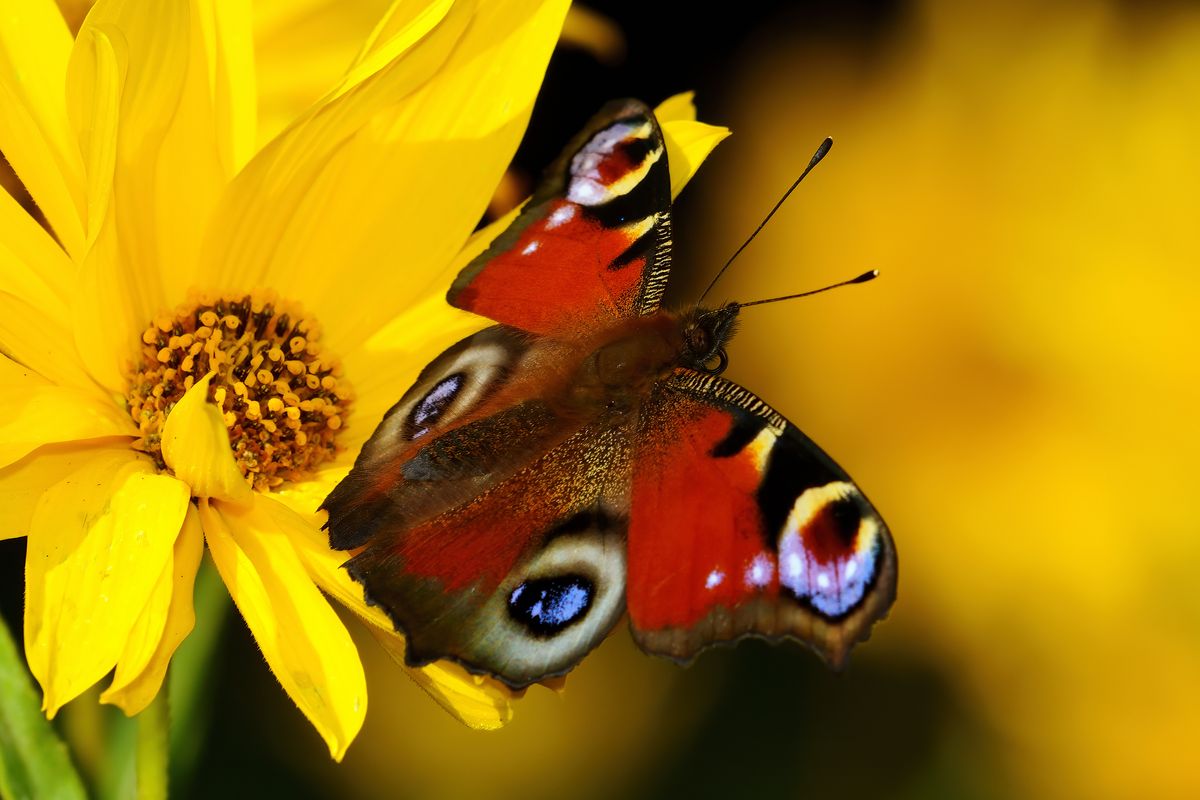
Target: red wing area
[742,526]
[594,242]
[521,581]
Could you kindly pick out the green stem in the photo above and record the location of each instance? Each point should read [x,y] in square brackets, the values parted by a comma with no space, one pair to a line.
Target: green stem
[153,747]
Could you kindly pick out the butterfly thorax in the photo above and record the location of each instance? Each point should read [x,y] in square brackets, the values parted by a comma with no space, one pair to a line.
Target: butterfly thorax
[623,362]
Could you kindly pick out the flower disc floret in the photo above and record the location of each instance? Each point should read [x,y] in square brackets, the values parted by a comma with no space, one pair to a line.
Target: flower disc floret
[283,400]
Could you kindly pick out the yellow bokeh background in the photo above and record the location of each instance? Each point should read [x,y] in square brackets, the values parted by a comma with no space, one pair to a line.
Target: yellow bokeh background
[1017,394]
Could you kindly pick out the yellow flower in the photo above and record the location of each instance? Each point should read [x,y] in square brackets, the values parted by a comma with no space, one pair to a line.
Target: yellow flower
[212,332]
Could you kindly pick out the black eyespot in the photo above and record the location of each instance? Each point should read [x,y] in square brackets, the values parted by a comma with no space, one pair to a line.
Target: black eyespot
[846,517]
[430,408]
[546,606]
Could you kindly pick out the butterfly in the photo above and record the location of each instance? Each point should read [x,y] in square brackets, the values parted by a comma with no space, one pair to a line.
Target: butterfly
[583,458]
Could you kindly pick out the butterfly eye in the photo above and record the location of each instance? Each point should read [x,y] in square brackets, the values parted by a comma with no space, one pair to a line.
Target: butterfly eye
[717,364]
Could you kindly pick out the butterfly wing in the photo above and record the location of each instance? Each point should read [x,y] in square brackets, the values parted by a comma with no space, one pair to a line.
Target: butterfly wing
[489,526]
[421,460]
[524,579]
[592,245]
[740,525]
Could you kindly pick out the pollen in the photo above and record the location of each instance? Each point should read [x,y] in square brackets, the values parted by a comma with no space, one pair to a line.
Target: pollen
[283,399]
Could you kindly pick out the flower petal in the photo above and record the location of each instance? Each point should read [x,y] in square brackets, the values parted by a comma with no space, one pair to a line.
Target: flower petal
[94,102]
[34,412]
[38,340]
[195,445]
[35,136]
[595,33]
[306,497]
[680,106]
[162,627]
[300,636]
[271,203]
[476,701]
[33,267]
[688,142]
[22,483]
[98,541]
[401,166]
[156,106]
[301,48]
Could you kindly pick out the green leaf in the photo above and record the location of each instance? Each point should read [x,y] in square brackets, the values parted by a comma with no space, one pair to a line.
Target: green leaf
[33,761]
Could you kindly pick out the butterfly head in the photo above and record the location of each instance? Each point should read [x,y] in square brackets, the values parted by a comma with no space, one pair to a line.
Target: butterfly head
[706,331]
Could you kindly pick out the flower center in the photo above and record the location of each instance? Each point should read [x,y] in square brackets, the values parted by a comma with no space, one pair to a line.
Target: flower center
[282,398]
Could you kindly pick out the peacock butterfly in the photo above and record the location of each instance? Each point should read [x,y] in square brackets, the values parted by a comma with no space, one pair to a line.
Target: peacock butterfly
[583,457]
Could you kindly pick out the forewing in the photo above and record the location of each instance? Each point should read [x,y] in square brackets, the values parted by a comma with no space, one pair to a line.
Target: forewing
[593,243]
[521,581]
[740,525]
[419,461]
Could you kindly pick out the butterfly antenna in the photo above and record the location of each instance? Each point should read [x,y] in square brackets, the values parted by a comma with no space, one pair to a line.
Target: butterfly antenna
[816,159]
[866,276]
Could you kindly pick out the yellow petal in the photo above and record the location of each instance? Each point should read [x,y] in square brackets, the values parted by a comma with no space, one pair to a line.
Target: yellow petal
[33,267]
[306,497]
[688,144]
[475,701]
[595,33]
[94,102]
[22,483]
[680,106]
[195,445]
[157,106]
[229,36]
[98,541]
[300,636]
[39,340]
[302,48]
[404,163]
[34,412]
[400,28]
[35,136]
[268,215]
[162,626]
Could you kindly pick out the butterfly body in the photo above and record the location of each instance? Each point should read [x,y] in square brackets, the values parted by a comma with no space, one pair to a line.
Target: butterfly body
[583,458]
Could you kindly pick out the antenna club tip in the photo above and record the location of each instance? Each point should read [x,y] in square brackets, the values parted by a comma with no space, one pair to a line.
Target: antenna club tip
[869,275]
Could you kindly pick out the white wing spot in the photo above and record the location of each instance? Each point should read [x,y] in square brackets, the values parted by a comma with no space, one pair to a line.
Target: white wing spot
[759,573]
[822,580]
[587,192]
[561,216]
[714,579]
[531,248]
[795,566]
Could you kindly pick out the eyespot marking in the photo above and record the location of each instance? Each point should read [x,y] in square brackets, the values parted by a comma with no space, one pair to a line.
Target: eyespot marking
[546,606]
[430,408]
[830,549]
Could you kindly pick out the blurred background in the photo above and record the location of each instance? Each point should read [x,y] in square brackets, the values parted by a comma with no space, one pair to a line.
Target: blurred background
[1016,394]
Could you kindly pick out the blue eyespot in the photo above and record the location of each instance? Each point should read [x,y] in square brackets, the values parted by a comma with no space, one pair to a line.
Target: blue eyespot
[432,406]
[548,605]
